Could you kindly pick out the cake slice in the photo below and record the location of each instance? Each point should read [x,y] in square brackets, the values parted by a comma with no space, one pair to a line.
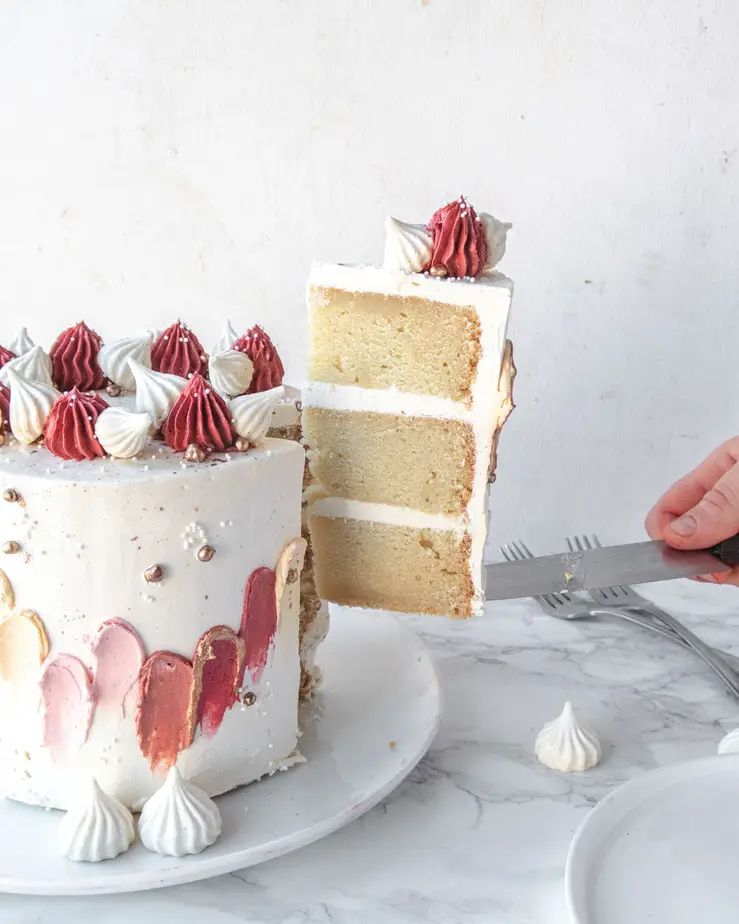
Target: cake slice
[410,382]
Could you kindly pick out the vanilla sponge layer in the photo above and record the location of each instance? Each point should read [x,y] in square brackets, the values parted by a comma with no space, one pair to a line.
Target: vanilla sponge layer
[392,567]
[425,463]
[376,340]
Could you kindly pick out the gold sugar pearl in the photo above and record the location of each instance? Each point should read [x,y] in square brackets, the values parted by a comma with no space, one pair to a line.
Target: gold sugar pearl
[206,552]
[154,575]
[249,698]
[12,547]
[11,496]
[113,390]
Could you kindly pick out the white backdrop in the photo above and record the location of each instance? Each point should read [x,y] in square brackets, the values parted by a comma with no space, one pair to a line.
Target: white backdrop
[191,158]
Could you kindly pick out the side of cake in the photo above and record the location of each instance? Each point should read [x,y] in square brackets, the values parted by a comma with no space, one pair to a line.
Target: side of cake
[410,382]
[150,582]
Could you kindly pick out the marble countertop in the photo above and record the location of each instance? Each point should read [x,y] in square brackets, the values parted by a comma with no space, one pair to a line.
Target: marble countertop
[480,831]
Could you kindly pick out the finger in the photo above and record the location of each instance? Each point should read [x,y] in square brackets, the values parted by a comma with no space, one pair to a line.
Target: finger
[715,517]
[689,490]
[724,577]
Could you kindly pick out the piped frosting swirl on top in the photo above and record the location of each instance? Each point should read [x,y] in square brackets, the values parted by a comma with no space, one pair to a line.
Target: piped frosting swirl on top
[456,243]
[178,351]
[268,369]
[200,417]
[70,426]
[74,359]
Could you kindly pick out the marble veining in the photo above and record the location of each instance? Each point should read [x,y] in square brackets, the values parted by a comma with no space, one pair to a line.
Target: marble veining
[480,831]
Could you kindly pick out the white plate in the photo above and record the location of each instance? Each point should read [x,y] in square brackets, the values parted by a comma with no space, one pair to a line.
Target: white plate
[381,704]
[663,849]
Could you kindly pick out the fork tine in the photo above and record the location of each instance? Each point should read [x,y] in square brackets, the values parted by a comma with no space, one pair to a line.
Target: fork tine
[506,553]
[526,550]
[596,542]
[578,544]
[570,546]
[586,541]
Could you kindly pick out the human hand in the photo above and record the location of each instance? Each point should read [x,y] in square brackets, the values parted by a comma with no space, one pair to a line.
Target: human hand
[702,508]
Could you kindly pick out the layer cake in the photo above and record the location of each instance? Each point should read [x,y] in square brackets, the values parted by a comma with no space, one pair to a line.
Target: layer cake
[410,381]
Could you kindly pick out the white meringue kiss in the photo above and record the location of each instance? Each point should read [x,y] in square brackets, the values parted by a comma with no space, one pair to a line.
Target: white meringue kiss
[230,373]
[495,234]
[156,392]
[122,433]
[227,340]
[179,819]
[566,745]
[407,247]
[30,403]
[113,358]
[35,365]
[98,827]
[252,414]
[22,343]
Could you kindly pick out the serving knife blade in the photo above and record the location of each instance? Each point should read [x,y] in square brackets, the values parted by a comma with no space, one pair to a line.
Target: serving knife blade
[589,569]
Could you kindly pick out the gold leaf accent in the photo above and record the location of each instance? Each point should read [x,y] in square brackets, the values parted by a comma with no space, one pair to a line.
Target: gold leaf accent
[7,597]
[291,557]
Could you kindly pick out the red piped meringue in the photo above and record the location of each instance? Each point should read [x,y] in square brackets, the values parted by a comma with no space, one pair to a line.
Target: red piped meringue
[74,359]
[199,416]
[5,356]
[4,409]
[70,426]
[178,351]
[268,369]
[459,243]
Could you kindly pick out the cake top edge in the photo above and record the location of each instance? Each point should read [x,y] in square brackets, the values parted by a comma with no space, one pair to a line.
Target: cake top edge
[159,463]
[492,288]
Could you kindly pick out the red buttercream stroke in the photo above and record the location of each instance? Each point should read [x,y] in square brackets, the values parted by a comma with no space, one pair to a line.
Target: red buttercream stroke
[70,427]
[218,672]
[268,369]
[259,619]
[5,408]
[459,243]
[199,416]
[118,654]
[5,356]
[68,704]
[163,721]
[74,359]
[178,351]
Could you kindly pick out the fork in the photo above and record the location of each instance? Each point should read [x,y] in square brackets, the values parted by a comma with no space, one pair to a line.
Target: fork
[622,595]
[567,606]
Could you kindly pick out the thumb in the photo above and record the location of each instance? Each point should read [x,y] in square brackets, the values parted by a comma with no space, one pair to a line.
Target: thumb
[714,518]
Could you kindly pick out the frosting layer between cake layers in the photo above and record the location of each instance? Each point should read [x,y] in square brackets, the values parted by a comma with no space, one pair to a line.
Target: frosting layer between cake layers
[431,423]
[138,575]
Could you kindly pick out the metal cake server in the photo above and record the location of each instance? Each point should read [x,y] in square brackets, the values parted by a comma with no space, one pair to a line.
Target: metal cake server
[590,569]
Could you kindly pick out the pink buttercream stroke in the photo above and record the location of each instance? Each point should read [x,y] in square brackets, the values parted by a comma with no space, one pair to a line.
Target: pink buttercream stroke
[68,702]
[117,654]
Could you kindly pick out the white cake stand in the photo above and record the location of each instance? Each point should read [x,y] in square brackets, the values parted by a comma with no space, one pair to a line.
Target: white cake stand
[374,720]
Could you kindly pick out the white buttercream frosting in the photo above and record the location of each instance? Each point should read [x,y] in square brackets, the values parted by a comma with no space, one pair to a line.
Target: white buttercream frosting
[30,403]
[179,819]
[227,339]
[123,433]
[729,744]
[113,358]
[407,247]
[22,343]
[98,827]
[496,233]
[567,745]
[156,392]
[252,414]
[230,372]
[34,365]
